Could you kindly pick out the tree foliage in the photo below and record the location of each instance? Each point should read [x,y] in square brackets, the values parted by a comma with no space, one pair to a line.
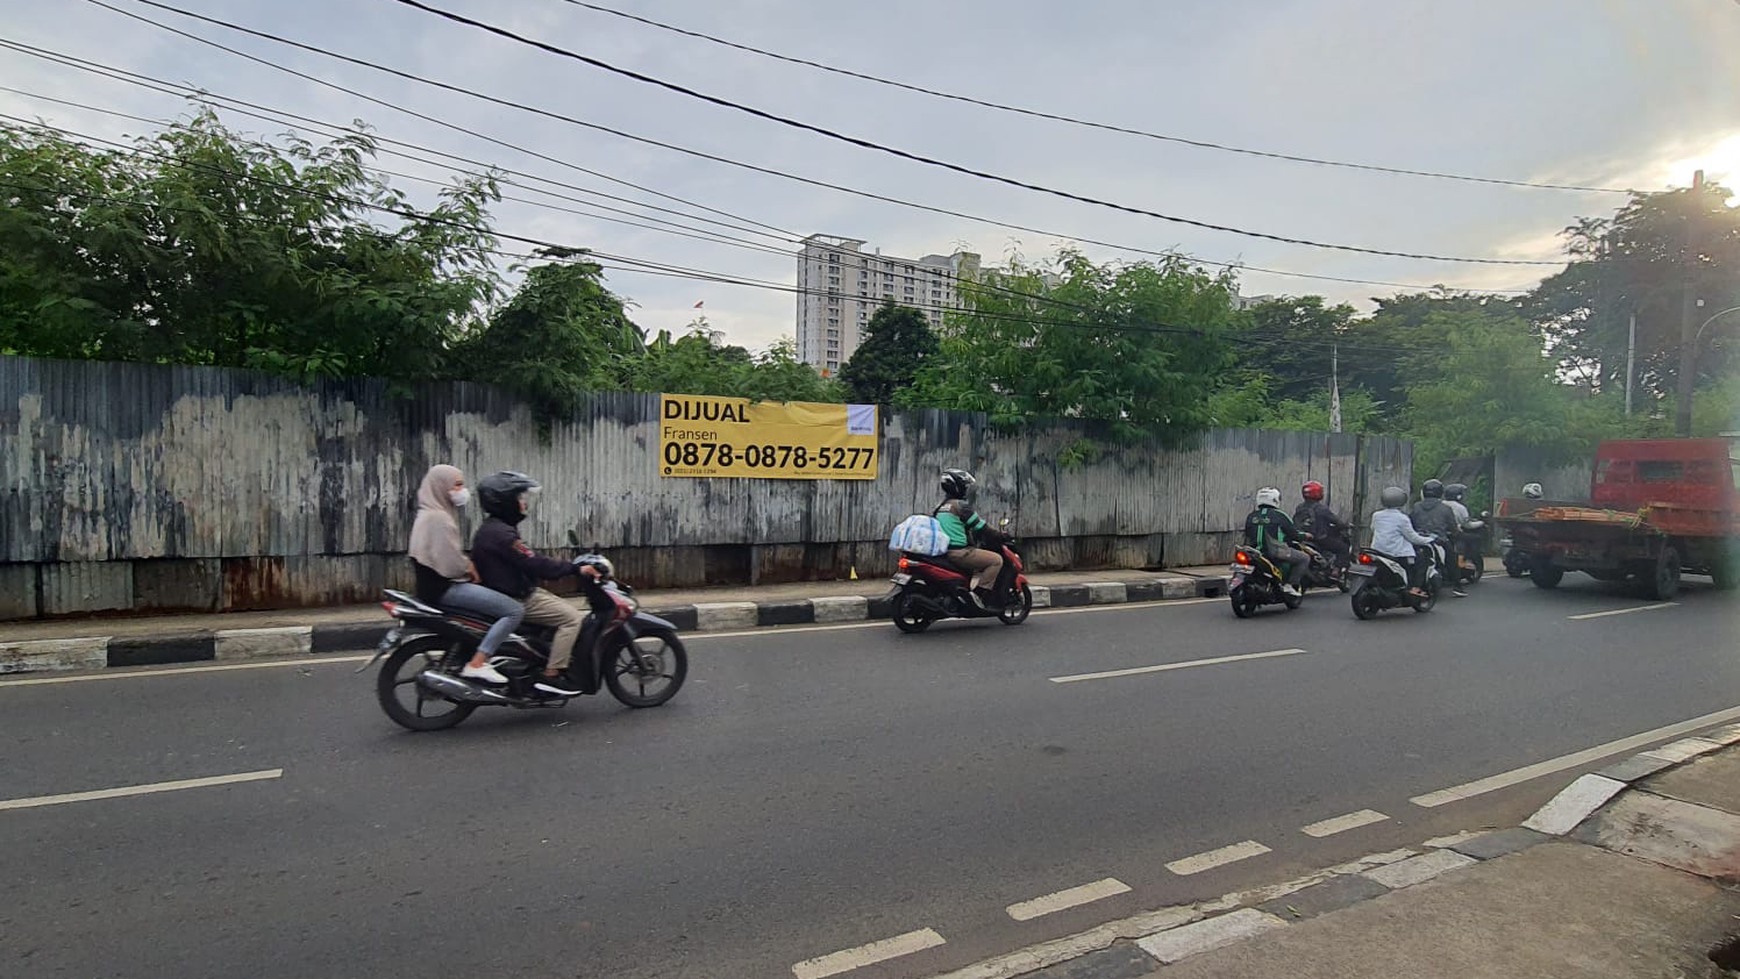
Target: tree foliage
[896,344]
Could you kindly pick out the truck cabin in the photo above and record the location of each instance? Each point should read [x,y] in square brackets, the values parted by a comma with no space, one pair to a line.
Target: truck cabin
[1694,473]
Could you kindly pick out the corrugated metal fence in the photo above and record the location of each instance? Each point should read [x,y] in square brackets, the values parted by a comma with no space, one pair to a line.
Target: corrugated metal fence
[134,486]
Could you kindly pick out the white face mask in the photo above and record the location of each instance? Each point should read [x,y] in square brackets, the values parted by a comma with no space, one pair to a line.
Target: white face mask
[460,497]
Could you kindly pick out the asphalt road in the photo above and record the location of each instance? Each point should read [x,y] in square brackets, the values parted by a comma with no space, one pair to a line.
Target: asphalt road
[811,790]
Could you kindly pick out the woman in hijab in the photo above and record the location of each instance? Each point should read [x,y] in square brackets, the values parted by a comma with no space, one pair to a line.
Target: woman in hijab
[446,578]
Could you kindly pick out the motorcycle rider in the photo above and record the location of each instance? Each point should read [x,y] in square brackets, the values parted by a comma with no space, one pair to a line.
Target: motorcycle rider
[1329,532]
[1454,496]
[1533,491]
[1393,535]
[965,528]
[1431,515]
[446,578]
[508,565]
[1269,530]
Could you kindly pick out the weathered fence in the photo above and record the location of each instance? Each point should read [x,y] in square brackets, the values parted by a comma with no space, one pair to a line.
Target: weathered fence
[133,487]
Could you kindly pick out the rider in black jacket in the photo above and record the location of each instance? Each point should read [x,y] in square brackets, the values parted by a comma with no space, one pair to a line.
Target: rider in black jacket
[509,565]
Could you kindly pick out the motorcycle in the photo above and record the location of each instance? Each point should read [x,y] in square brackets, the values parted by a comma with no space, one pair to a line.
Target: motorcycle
[1326,571]
[1516,560]
[1383,582]
[637,656]
[1255,582]
[927,589]
[1471,550]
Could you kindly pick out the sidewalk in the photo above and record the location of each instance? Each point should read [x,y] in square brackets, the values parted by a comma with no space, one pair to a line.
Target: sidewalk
[96,642]
[1627,874]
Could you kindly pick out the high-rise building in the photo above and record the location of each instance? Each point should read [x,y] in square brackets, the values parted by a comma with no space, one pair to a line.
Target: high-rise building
[840,286]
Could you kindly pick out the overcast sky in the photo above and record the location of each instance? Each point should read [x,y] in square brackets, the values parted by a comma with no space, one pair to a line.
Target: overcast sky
[1629,93]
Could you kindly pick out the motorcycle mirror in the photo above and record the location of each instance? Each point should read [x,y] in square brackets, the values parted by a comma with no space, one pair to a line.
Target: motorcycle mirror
[1485,513]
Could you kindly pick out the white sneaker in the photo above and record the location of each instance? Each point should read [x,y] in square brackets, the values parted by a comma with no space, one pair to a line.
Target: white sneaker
[1290,591]
[486,673]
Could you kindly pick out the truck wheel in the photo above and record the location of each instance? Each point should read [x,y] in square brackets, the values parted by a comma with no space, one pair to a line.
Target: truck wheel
[1664,583]
[1544,573]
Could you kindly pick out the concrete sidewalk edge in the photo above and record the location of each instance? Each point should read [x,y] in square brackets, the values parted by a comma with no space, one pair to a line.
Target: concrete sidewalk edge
[1168,935]
[100,652]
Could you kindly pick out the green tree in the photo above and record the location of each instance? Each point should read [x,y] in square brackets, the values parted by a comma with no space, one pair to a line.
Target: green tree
[896,344]
[1136,347]
[200,246]
[561,334]
[1293,340]
[696,363]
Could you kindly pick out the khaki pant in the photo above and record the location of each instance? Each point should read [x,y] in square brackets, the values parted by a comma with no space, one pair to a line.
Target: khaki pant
[984,565]
[543,608]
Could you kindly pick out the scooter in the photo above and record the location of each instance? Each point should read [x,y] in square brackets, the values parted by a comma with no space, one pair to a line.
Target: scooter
[1256,582]
[1325,570]
[1471,550]
[928,589]
[1382,582]
[637,656]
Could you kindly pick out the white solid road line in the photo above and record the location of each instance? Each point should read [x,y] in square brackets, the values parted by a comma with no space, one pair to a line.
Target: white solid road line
[1341,824]
[787,630]
[1621,611]
[1063,900]
[1493,783]
[1217,858]
[835,963]
[178,671]
[127,790]
[1164,667]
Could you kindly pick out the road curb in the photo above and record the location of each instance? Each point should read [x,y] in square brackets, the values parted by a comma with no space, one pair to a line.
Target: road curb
[229,645]
[1168,935]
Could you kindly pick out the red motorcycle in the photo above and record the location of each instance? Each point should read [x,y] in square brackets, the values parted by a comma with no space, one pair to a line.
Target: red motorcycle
[927,589]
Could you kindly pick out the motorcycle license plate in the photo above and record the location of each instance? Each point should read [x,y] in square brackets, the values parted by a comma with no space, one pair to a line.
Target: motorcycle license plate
[1365,570]
[901,579]
[1238,581]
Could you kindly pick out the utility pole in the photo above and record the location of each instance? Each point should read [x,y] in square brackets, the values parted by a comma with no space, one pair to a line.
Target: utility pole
[1689,311]
[1630,361]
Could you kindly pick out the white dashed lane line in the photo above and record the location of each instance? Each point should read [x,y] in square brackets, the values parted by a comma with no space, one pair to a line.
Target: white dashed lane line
[1063,900]
[846,960]
[1217,858]
[1341,824]
[1622,611]
[131,790]
[1164,667]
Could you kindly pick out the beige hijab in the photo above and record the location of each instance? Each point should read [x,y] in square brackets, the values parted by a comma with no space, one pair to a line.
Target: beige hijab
[435,542]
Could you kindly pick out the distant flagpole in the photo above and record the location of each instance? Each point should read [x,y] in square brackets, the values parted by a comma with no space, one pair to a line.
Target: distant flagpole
[1334,389]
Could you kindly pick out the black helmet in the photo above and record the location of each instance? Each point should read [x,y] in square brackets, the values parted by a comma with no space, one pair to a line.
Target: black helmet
[1456,492]
[958,484]
[499,494]
[1433,490]
[1394,496]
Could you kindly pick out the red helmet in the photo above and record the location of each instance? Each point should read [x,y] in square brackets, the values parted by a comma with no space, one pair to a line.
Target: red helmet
[1312,490]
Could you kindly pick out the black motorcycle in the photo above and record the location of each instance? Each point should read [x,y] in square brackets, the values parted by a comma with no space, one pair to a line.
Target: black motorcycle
[1326,570]
[1471,550]
[1381,582]
[1256,582]
[638,656]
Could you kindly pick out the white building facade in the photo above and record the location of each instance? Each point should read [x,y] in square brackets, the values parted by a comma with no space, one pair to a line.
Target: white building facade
[840,286]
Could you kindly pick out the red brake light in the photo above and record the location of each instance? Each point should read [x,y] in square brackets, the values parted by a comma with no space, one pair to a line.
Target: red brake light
[1365,559]
[904,564]
[392,608]
[1242,558]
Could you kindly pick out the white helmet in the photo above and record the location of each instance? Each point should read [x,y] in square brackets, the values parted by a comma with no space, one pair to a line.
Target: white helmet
[1269,496]
[1533,491]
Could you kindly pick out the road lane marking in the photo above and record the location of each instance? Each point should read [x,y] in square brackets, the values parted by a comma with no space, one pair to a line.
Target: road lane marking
[1622,611]
[1164,667]
[1502,780]
[846,960]
[1217,858]
[129,790]
[1063,900]
[787,630]
[1341,824]
[134,674]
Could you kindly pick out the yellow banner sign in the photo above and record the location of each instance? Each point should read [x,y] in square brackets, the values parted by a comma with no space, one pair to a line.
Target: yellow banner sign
[735,437]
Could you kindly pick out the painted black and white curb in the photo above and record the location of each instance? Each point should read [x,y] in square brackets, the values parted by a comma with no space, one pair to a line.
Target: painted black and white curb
[1144,942]
[99,652]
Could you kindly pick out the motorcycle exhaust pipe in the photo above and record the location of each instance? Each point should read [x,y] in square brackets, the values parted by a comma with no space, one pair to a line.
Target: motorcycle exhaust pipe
[454,688]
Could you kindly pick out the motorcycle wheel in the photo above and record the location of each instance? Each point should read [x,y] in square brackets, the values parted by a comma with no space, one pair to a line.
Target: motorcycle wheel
[1292,601]
[1430,602]
[398,678]
[1476,569]
[1365,603]
[649,670]
[1017,613]
[1244,603]
[1515,565]
[907,617]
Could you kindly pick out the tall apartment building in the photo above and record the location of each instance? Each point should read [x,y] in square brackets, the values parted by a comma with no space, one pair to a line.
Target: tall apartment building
[840,286]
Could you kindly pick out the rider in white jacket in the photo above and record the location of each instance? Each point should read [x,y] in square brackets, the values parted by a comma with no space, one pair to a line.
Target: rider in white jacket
[1393,535]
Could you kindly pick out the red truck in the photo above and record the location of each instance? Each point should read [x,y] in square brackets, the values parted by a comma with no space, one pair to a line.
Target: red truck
[1657,507]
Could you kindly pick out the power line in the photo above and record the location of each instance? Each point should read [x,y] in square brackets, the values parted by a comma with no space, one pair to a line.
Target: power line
[931,161]
[753,168]
[1071,120]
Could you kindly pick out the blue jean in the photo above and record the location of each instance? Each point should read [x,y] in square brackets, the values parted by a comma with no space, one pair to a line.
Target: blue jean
[463,596]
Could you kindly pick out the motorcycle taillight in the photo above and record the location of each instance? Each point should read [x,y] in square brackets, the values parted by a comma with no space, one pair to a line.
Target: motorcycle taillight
[392,608]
